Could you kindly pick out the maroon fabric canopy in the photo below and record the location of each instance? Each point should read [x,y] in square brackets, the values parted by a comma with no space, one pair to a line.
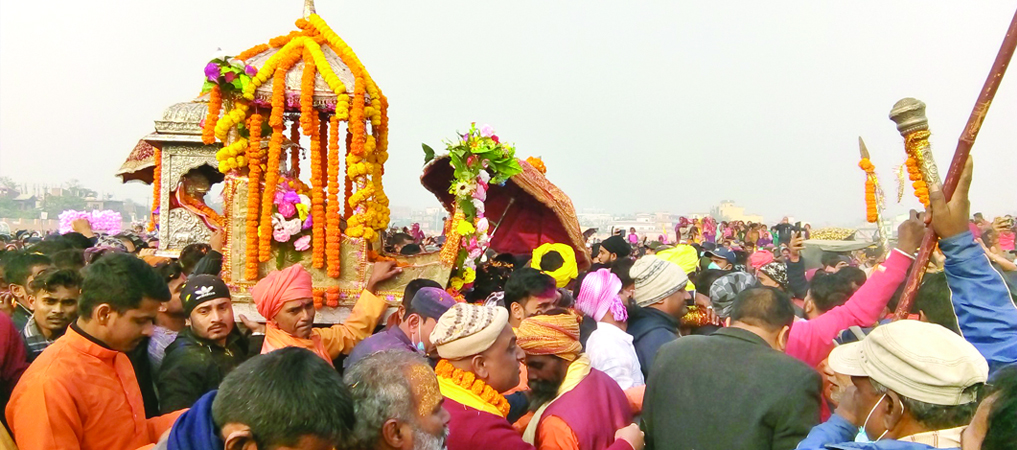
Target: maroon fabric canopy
[526,212]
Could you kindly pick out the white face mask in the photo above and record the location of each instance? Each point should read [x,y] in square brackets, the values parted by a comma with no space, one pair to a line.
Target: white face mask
[862,435]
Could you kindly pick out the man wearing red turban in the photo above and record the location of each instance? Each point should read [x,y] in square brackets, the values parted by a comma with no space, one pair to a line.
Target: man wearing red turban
[285,299]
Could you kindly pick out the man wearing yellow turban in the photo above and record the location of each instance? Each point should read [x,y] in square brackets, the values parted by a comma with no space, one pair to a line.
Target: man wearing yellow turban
[576,406]
[556,260]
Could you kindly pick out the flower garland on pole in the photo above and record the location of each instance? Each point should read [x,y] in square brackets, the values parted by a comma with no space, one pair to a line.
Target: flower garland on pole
[478,159]
[156,188]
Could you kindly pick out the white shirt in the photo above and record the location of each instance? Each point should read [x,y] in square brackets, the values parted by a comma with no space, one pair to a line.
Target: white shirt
[611,351]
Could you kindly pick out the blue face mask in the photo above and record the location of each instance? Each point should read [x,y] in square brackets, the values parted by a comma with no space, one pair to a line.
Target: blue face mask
[713,265]
[862,436]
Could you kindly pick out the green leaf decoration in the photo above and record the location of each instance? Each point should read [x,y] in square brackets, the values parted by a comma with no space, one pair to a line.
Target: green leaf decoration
[428,153]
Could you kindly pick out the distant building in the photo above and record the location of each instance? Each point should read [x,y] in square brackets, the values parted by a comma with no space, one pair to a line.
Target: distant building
[727,211]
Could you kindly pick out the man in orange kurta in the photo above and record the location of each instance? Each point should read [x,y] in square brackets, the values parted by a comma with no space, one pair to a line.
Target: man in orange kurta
[81,392]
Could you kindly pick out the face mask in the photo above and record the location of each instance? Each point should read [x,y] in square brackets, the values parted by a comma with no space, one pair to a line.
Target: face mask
[713,265]
[420,344]
[862,435]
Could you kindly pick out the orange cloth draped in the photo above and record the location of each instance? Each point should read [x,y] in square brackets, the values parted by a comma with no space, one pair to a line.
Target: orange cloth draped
[276,338]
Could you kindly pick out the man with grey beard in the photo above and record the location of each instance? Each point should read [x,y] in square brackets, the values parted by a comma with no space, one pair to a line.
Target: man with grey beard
[397,403]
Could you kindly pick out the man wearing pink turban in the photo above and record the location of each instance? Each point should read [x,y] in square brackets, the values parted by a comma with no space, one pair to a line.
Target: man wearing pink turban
[286,300]
[609,347]
[759,259]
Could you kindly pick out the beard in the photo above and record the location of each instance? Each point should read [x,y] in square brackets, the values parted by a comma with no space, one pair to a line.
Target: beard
[543,391]
[423,440]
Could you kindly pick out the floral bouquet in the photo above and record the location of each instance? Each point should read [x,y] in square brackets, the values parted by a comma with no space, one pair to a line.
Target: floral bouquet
[479,159]
[291,221]
[105,222]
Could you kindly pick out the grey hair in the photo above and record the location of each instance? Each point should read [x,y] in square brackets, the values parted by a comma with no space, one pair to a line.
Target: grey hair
[937,417]
[381,391]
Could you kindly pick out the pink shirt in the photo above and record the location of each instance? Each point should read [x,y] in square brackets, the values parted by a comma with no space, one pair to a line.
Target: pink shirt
[812,340]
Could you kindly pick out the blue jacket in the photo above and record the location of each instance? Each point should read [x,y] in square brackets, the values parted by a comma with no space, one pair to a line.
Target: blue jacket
[650,329]
[986,313]
[838,433]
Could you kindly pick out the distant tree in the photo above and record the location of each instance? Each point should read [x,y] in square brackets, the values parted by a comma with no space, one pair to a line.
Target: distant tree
[9,210]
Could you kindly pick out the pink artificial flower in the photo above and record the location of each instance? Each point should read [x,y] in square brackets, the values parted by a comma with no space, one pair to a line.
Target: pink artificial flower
[303,243]
[486,130]
[250,70]
[480,193]
[470,160]
[286,209]
[308,223]
[279,197]
[281,235]
[230,76]
[495,139]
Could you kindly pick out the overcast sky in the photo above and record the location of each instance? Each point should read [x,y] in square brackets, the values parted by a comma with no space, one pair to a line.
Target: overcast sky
[633,105]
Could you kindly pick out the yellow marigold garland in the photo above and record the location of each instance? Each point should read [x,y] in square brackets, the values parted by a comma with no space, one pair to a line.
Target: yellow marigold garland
[468,381]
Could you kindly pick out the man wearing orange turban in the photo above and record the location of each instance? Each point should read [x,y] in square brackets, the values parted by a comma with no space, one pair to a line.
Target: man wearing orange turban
[579,406]
[285,299]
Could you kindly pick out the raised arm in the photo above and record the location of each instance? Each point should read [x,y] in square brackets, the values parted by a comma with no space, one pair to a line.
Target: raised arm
[986,313]
[341,338]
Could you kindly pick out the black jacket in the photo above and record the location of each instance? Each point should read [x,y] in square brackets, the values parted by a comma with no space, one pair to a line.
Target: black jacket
[650,329]
[731,391]
[194,366]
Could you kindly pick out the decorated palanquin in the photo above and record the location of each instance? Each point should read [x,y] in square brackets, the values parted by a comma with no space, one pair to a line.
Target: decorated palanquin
[525,211]
[297,131]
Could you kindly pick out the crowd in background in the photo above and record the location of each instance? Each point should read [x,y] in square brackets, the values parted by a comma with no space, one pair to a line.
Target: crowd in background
[722,337]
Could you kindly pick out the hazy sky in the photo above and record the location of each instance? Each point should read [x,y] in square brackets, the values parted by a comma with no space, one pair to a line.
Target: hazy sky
[633,105]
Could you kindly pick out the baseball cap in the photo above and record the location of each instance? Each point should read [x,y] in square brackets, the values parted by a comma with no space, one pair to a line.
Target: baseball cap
[921,361]
[657,246]
[722,252]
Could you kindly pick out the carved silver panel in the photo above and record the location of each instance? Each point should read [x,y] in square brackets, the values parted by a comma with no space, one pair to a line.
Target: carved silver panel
[177,160]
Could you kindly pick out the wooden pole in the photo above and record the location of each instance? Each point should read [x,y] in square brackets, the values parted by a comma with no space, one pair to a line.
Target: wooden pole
[960,157]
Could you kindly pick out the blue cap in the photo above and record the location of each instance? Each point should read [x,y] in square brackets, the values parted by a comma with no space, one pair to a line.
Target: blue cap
[722,252]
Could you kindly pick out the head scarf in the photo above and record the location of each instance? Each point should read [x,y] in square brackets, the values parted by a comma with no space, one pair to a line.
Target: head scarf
[655,279]
[726,288]
[599,294]
[776,271]
[270,294]
[273,291]
[568,270]
[467,329]
[760,259]
[617,245]
[550,335]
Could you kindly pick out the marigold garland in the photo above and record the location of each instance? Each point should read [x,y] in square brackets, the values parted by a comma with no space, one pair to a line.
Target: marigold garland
[468,381]
[252,253]
[156,187]
[317,200]
[214,108]
[914,144]
[307,93]
[871,207]
[332,212]
[247,54]
[332,297]
[274,150]
[319,299]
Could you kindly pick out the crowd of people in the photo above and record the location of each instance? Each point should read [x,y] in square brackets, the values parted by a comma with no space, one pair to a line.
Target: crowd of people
[722,338]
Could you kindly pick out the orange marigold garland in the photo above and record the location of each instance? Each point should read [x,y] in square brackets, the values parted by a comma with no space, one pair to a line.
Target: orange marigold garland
[871,206]
[252,253]
[319,299]
[214,108]
[156,187]
[274,150]
[347,182]
[317,200]
[914,143]
[470,382]
[307,93]
[332,297]
[332,211]
[247,54]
